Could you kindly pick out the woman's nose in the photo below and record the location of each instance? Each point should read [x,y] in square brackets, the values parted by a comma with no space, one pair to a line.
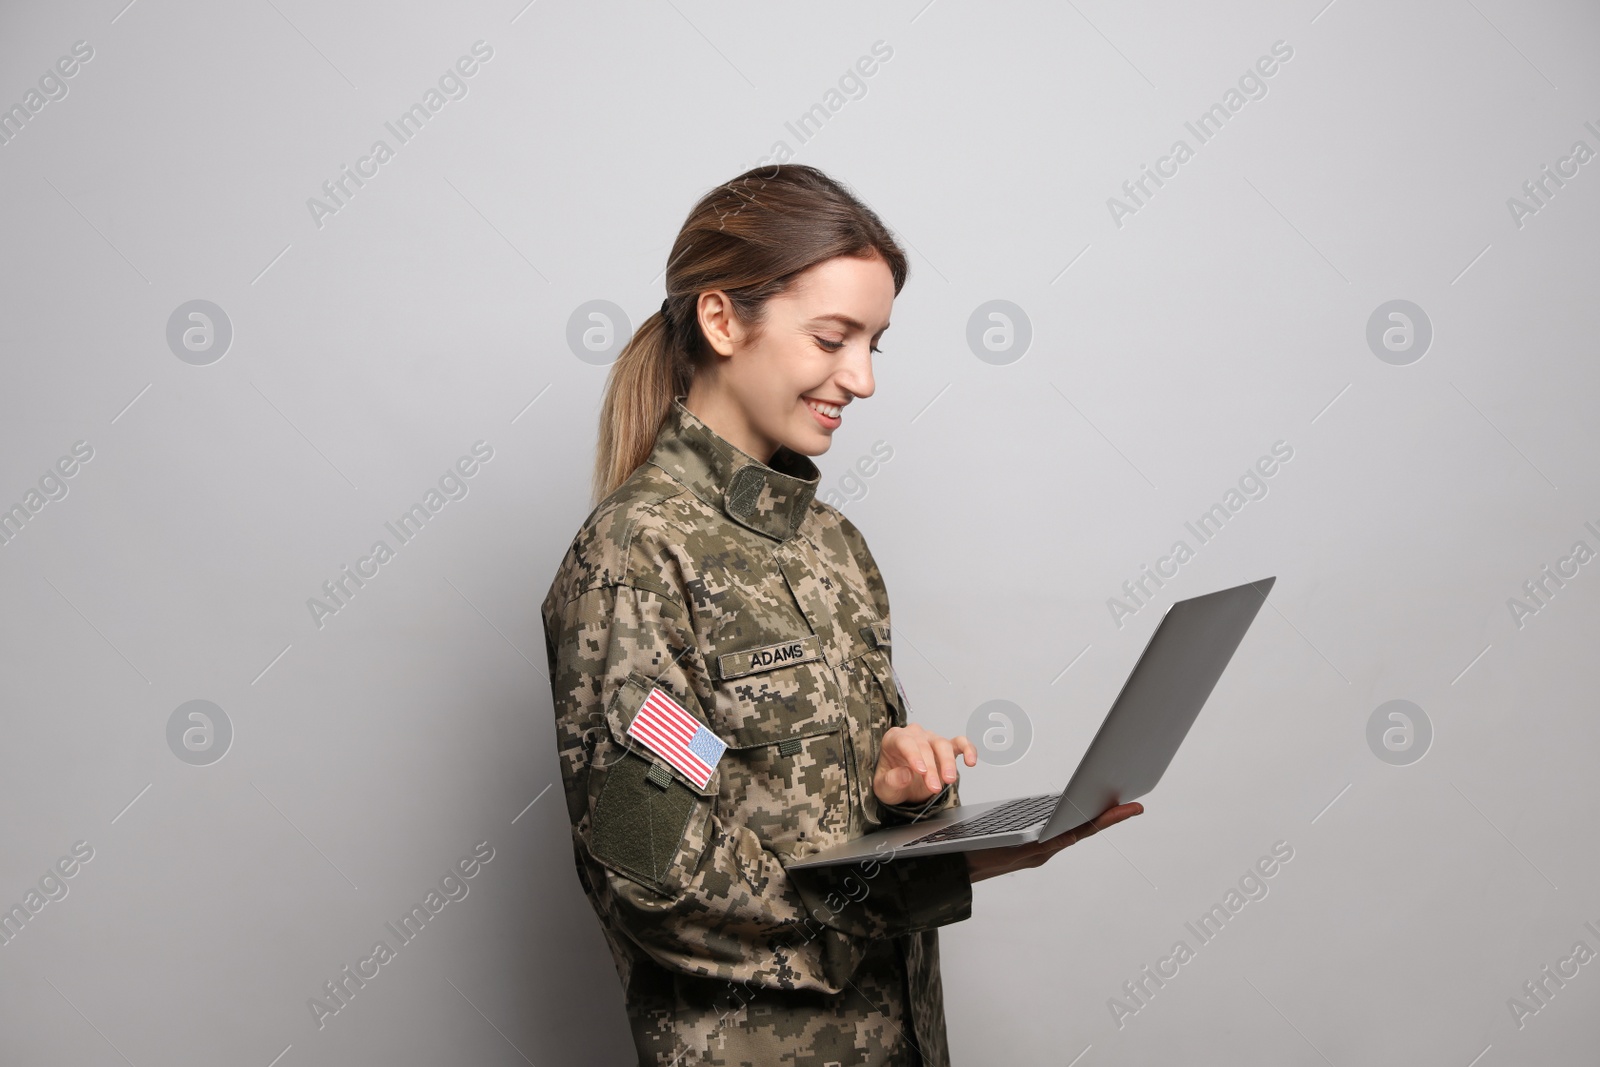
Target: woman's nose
[856,375]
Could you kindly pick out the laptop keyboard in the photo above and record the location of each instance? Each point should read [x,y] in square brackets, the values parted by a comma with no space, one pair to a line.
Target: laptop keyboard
[1014,815]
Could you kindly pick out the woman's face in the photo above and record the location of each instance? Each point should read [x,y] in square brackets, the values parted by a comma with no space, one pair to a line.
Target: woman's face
[789,385]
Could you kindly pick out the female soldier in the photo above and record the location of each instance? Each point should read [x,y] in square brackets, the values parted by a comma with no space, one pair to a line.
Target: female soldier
[719,649]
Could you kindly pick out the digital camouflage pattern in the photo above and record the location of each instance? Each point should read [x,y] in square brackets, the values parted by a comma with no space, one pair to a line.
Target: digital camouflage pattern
[725,583]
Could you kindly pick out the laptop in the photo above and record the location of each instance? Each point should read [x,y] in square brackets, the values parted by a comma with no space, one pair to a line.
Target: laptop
[1139,736]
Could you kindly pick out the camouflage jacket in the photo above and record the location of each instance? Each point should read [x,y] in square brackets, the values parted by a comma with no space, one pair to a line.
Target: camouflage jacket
[758,609]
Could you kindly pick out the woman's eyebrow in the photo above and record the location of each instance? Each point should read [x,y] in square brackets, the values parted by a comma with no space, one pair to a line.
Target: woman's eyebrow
[844,320]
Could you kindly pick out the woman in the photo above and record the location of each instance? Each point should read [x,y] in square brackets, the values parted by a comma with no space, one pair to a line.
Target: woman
[710,593]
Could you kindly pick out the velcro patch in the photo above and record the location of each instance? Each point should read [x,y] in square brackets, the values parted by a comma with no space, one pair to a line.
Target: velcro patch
[876,635]
[784,654]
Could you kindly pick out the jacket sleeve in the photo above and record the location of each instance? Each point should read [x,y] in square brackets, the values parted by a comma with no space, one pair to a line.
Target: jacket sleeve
[900,814]
[697,893]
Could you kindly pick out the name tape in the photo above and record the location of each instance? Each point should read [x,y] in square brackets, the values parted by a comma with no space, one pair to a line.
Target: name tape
[783,654]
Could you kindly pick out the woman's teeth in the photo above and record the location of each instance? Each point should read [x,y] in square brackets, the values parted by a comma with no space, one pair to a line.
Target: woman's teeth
[833,411]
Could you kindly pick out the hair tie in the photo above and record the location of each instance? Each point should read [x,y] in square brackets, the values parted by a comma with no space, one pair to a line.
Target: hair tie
[664,301]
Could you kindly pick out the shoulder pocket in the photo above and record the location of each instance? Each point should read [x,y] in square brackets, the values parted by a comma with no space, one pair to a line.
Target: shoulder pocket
[642,825]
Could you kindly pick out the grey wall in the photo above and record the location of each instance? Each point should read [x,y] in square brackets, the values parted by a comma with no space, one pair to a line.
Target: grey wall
[351,356]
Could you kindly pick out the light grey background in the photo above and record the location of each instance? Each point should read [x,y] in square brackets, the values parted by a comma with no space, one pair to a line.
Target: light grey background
[1168,353]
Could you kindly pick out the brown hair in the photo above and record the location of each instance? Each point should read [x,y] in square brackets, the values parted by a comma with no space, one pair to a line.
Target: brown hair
[749,237]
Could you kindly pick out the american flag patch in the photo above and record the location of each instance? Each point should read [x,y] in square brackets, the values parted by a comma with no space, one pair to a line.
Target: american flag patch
[672,733]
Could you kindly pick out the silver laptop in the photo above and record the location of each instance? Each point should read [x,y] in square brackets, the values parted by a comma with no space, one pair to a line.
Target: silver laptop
[1141,733]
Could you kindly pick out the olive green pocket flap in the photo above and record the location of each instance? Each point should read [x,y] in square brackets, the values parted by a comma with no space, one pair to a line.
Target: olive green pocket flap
[783,654]
[638,827]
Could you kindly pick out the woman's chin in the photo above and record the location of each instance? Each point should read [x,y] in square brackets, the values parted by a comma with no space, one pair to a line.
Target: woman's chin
[814,444]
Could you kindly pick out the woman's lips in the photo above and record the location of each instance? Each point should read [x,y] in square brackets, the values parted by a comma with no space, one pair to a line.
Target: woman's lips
[827,421]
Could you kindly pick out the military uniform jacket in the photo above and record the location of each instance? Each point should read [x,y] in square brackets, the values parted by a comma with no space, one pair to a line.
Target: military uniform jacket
[723,582]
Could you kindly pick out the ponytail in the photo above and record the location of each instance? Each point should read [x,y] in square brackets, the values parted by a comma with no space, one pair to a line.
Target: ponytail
[749,238]
[643,381]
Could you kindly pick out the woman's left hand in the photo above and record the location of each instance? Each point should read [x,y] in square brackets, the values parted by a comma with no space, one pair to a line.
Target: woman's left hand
[915,764]
[992,862]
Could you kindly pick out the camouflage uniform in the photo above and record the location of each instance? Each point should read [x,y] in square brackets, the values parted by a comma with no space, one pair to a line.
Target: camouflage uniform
[758,609]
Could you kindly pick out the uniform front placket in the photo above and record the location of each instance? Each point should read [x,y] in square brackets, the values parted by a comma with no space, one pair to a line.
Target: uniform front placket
[816,594]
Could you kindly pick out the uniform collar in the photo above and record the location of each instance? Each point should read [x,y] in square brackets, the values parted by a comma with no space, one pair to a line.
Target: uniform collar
[770,499]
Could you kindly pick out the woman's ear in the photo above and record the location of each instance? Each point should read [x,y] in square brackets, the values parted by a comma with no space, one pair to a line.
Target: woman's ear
[718,323]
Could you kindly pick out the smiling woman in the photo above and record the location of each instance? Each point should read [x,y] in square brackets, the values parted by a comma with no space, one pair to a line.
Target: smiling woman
[711,593]
[725,700]
[720,665]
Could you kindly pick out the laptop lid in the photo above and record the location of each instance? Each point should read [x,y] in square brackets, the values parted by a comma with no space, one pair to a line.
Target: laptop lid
[1175,674]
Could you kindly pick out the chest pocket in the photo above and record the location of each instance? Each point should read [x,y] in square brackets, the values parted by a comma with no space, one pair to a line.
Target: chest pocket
[785,775]
[889,703]
[869,673]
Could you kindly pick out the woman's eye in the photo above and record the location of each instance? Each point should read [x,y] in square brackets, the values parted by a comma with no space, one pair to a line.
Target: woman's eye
[834,346]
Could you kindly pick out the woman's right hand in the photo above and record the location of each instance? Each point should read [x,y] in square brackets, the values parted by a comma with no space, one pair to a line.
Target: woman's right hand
[992,862]
[914,764]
